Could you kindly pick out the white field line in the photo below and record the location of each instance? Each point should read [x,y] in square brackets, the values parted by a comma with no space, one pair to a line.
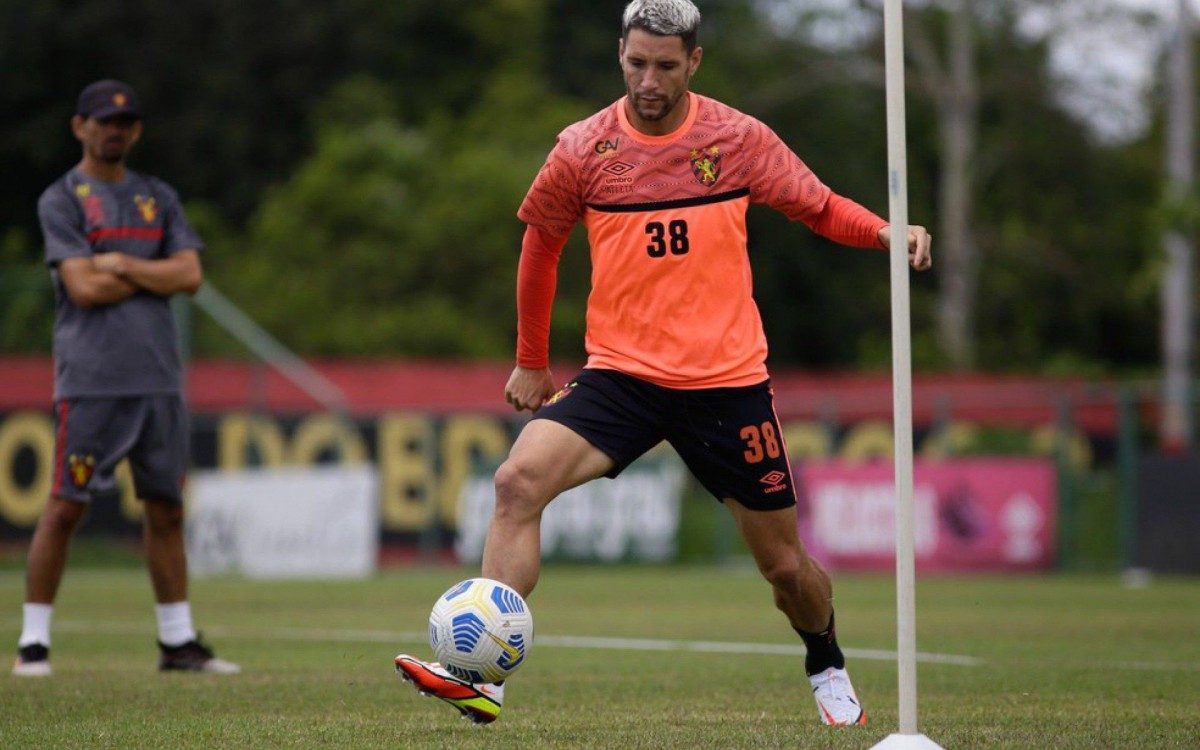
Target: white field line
[724,647]
[346,635]
[554,641]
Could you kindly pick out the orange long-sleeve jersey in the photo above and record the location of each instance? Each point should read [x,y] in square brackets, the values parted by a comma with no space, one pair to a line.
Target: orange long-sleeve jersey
[671,299]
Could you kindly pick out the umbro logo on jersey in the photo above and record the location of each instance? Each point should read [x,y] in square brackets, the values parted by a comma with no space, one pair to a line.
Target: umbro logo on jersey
[618,168]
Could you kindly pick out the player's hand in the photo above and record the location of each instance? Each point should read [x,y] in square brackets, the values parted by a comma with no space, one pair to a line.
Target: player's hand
[529,389]
[114,263]
[920,246]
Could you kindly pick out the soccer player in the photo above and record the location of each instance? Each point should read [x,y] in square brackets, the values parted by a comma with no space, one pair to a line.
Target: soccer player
[662,179]
[118,246]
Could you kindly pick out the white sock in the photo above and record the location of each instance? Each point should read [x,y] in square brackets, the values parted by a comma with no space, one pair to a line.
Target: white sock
[36,627]
[174,623]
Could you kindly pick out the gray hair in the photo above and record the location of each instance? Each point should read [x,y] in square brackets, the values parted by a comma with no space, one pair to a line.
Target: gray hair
[663,17]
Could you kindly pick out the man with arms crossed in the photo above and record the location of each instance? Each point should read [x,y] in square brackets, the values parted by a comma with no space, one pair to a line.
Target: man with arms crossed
[118,245]
[662,179]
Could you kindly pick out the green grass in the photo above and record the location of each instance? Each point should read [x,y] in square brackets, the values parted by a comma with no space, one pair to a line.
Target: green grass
[1066,662]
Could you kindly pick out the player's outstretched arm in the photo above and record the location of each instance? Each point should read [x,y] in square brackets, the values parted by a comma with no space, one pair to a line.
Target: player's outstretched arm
[529,388]
[920,246]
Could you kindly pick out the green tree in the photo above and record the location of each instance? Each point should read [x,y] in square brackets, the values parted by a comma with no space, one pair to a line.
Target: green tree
[355,169]
[227,86]
[26,297]
[403,239]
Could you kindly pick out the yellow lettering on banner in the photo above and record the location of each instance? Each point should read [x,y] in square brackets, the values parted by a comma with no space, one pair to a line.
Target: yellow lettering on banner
[807,440]
[868,441]
[238,433]
[405,455]
[949,440]
[131,507]
[322,432]
[463,440]
[1046,438]
[21,505]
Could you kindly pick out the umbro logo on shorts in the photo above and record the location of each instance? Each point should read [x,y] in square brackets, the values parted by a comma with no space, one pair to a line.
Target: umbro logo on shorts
[774,481]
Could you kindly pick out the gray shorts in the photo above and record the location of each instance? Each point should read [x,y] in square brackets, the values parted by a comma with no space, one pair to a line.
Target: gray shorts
[92,435]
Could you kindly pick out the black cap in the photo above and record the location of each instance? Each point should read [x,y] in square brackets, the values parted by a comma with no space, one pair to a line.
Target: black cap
[108,98]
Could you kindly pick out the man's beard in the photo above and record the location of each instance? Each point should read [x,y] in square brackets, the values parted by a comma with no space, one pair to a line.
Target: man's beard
[110,153]
[667,107]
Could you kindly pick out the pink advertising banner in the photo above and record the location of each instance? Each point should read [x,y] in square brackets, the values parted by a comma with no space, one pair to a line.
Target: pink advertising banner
[968,514]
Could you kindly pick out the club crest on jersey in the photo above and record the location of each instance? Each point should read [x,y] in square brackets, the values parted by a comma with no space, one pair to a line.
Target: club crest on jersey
[146,207]
[83,190]
[81,468]
[562,393]
[706,164]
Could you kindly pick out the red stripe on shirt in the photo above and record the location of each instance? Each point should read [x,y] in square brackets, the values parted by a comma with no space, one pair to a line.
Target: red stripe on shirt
[126,233]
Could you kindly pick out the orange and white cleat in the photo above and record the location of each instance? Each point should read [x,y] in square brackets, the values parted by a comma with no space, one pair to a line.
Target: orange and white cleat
[479,703]
[836,700]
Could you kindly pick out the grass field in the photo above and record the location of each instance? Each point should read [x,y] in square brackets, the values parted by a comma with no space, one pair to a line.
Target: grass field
[1014,662]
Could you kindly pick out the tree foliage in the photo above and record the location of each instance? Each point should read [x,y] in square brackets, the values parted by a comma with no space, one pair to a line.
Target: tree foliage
[355,168]
[398,238]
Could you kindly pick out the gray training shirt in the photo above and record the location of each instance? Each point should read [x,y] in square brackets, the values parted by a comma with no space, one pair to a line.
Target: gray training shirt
[127,348]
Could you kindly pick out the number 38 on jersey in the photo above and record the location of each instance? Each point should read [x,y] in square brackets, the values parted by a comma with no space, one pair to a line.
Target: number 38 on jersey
[672,236]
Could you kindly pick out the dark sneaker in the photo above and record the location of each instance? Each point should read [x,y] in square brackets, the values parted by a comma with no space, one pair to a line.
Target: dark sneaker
[193,656]
[32,661]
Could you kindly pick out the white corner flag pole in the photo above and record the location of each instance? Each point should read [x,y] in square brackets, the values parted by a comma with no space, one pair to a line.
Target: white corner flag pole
[906,635]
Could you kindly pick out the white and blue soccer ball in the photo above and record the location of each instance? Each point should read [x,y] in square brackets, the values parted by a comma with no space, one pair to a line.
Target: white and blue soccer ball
[480,630]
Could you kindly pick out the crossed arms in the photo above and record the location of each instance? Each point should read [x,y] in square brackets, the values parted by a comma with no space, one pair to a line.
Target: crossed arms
[107,278]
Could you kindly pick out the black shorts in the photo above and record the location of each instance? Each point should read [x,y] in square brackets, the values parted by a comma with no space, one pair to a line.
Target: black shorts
[92,435]
[728,437]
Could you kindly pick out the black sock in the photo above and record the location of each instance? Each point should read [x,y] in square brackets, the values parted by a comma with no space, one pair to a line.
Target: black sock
[823,650]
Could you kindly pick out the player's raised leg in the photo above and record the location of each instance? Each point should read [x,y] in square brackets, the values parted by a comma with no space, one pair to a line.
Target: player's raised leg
[546,460]
[804,593]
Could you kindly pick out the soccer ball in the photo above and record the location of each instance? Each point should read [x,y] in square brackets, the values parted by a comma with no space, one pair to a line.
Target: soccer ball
[480,630]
